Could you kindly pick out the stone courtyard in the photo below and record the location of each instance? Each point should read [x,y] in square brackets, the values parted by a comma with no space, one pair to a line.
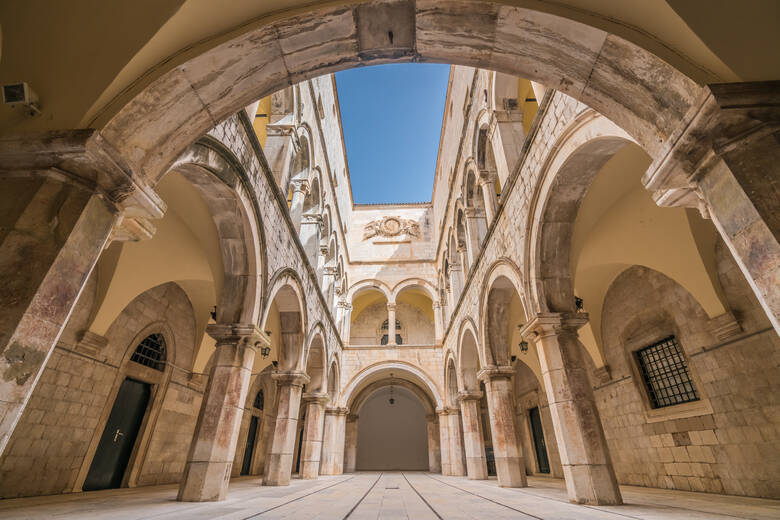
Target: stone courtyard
[201,322]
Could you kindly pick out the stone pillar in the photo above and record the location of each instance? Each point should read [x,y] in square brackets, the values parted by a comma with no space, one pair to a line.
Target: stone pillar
[280,456]
[473,439]
[299,188]
[310,236]
[346,323]
[391,324]
[476,230]
[277,148]
[725,161]
[311,449]
[328,279]
[434,449]
[210,459]
[587,467]
[456,282]
[452,442]
[267,426]
[487,181]
[438,328]
[333,441]
[350,444]
[510,466]
[444,441]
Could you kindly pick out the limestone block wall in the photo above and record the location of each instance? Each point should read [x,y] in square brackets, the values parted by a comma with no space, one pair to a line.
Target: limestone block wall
[416,327]
[52,447]
[400,247]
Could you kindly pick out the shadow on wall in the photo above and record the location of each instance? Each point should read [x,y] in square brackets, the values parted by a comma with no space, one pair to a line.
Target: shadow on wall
[392,437]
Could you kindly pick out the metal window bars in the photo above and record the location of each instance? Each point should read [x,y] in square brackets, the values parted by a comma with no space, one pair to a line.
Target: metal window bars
[151,352]
[665,374]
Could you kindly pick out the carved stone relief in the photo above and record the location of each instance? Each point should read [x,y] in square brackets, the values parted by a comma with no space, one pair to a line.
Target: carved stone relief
[391,227]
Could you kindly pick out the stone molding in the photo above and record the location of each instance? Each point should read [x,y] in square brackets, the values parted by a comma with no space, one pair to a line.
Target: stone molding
[300,185]
[724,327]
[336,410]
[469,396]
[549,323]
[447,411]
[315,397]
[230,334]
[91,343]
[291,378]
[491,372]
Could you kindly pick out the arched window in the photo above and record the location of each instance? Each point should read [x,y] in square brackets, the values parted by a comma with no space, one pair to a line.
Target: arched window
[259,400]
[151,352]
[385,337]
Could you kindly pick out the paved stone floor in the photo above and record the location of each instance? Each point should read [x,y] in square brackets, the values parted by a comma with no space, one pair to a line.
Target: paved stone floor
[361,496]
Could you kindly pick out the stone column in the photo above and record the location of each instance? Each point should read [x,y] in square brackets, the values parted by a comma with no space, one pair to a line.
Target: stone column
[725,162]
[587,467]
[328,278]
[350,444]
[452,442]
[456,282]
[476,230]
[437,322]
[473,440]
[434,449]
[311,450]
[299,188]
[210,459]
[333,441]
[310,236]
[277,148]
[53,235]
[267,426]
[391,324]
[510,466]
[280,456]
[487,181]
[444,441]
[346,323]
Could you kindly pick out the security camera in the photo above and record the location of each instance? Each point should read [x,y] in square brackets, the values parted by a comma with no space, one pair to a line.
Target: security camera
[21,94]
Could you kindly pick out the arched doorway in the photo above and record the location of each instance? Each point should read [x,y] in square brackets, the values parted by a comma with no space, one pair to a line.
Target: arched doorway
[392,431]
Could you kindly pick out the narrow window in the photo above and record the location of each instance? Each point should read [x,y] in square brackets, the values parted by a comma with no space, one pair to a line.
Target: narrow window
[151,352]
[259,400]
[398,338]
[665,374]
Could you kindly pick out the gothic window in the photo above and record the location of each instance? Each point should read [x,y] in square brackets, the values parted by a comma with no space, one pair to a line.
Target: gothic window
[259,400]
[385,337]
[665,374]
[151,352]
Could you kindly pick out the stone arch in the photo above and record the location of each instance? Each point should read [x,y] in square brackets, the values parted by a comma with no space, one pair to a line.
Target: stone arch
[502,282]
[414,283]
[368,284]
[577,157]
[224,187]
[450,379]
[286,292]
[598,68]
[334,379]
[470,356]
[316,358]
[401,369]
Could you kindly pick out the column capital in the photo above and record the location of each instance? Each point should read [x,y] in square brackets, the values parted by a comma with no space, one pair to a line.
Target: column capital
[391,306]
[300,185]
[447,411]
[352,417]
[315,397]
[291,378]
[311,218]
[432,417]
[336,410]
[469,396]
[437,304]
[486,177]
[232,333]
[547,323]
[491,372]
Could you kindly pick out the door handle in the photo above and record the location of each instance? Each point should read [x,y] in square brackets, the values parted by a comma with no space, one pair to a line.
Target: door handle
[118,434]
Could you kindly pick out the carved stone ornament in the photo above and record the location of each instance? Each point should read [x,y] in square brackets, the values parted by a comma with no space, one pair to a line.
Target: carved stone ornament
[391,227]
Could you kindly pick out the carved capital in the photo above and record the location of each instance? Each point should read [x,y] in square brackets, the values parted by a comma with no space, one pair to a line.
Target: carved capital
[469,396]
[552,323]
[300,186]
[491,372]
[247,334]
[291,378]
[336,410]
[391,306]
[320,398]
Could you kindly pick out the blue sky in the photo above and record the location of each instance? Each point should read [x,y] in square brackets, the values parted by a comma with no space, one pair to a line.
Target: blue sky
[391,117]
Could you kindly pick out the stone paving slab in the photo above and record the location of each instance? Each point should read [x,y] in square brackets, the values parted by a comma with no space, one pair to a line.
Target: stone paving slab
[387,496]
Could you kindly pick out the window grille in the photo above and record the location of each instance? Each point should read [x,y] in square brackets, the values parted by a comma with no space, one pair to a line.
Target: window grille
[385,336]
[259,400]
[665,374]
[151,352]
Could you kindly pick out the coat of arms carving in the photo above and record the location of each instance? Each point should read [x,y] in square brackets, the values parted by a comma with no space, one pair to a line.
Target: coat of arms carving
[391,227]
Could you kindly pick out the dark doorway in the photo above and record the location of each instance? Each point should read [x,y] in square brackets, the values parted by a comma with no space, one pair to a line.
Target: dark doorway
[541,450]
[116,444]
[300,447]
[250,446]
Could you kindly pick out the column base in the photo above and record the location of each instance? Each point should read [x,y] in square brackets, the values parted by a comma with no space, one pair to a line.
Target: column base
[511,472]
[310,469]
[592,484]
[205,482]
[279,470]
[476,468]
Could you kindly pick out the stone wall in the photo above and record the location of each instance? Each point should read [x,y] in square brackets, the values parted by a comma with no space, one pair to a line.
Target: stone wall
[52,447]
